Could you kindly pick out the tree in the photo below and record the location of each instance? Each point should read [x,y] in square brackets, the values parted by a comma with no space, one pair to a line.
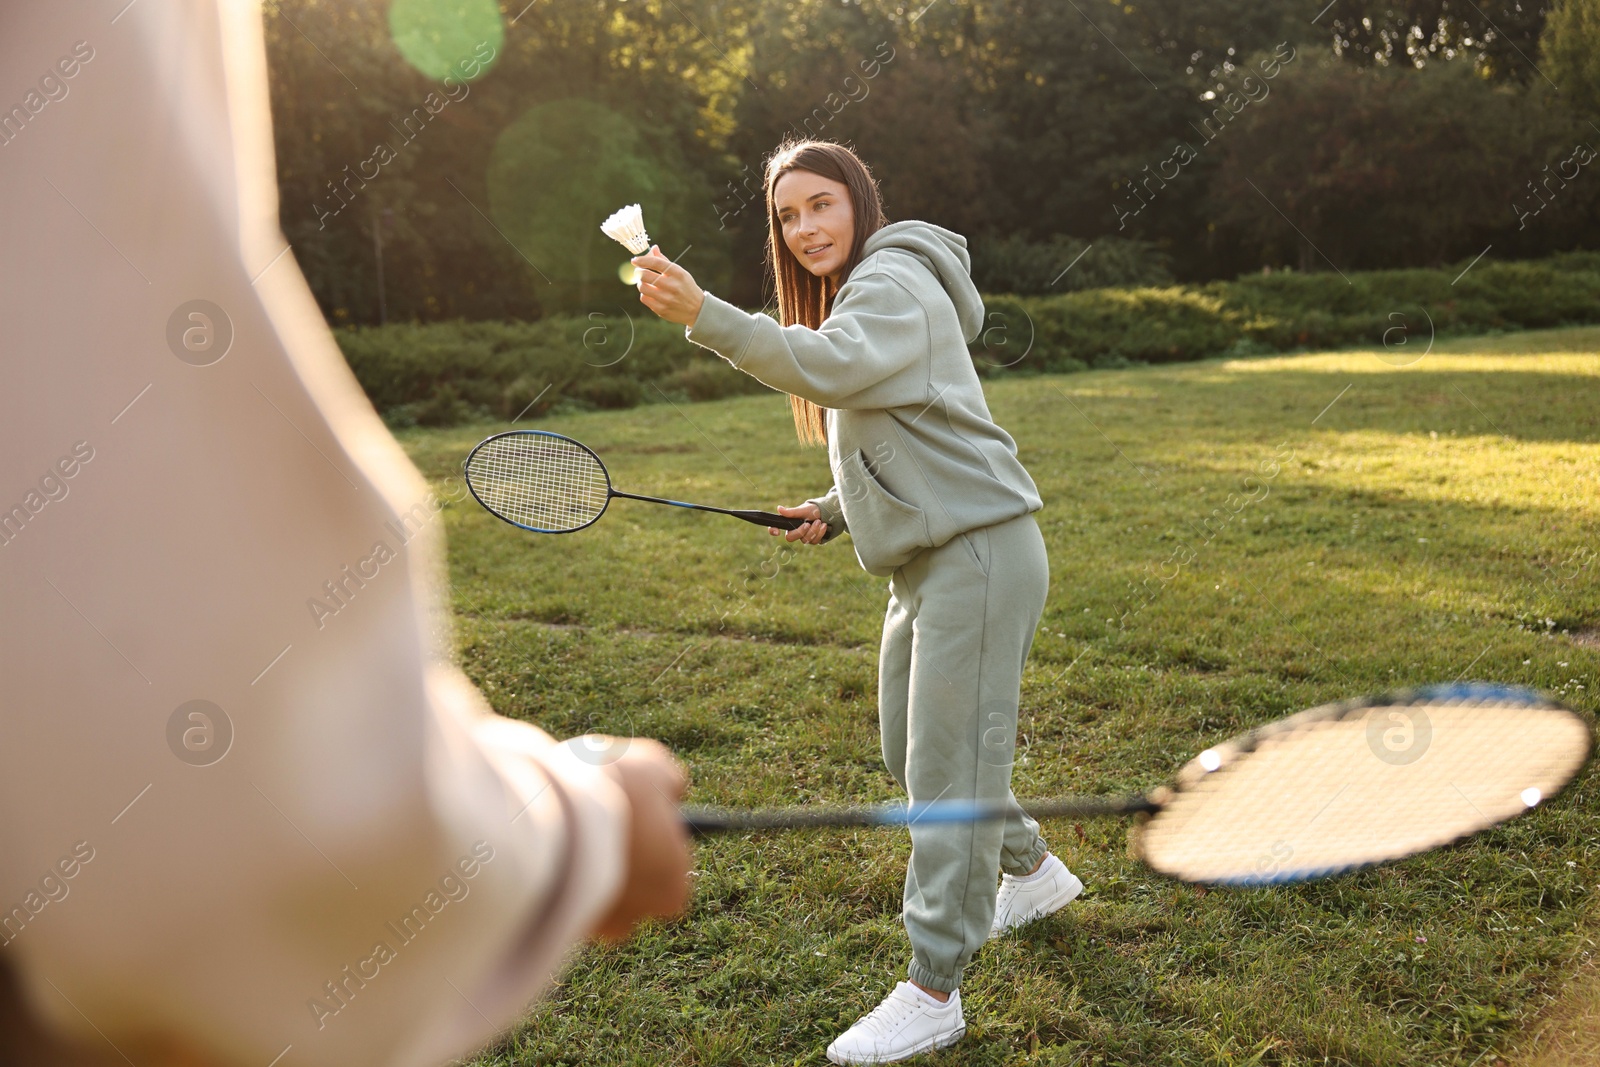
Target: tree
[1027,124]
[1570,46]
[341,88]
[567,164]
[1499,38]
[1375,168]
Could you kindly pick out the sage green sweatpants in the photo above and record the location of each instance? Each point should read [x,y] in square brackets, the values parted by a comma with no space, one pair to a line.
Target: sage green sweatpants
[960,622]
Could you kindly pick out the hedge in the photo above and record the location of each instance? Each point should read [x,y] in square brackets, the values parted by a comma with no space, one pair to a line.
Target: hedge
[445,373]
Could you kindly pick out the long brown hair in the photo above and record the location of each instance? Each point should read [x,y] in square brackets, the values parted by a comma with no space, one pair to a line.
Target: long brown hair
[804,298]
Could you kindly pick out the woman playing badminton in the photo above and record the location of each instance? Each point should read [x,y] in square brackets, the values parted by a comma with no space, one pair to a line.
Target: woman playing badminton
[873,354]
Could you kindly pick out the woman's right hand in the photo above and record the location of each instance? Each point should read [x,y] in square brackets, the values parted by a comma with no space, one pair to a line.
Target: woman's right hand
[811,532]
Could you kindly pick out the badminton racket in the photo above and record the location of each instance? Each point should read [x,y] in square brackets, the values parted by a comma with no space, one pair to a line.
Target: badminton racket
[548,483]
[1328,790]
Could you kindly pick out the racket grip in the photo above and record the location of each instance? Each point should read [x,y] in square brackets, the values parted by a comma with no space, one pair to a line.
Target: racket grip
[767,518]
[703,822]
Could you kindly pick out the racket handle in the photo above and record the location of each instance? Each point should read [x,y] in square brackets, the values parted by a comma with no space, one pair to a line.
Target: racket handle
[703,822]
[767,518]
[760,518]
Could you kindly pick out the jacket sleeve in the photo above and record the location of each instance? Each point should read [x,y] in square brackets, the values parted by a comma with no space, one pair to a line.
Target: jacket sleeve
[871,352]
[832,513]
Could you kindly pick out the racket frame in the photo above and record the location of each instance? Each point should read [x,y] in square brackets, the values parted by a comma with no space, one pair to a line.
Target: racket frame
[704,822]
[466,475]
[758,518]
[1219,756]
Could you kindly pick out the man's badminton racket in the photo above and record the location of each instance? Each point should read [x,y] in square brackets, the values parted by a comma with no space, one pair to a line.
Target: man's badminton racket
[1321,792]
[548,483]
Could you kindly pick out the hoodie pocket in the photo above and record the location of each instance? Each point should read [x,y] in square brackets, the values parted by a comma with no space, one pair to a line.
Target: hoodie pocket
[887,532]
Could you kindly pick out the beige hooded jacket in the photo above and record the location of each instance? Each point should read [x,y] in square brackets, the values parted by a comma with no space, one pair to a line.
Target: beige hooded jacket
[249,812]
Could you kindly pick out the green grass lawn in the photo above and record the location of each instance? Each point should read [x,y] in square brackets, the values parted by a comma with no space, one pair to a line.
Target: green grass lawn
[1349,525]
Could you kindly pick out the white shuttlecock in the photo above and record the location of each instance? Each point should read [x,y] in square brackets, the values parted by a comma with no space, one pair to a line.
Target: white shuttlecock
[626,227]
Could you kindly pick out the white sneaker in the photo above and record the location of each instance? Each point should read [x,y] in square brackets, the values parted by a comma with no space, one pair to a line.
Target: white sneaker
[905,1024]
[1022,900]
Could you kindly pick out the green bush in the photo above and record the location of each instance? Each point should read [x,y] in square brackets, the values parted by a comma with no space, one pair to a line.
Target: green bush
[445,373]
[1016,265]
[1259,314]
[442,374]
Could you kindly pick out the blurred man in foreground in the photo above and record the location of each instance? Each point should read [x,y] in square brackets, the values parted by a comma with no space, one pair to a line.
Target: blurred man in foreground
[250,813]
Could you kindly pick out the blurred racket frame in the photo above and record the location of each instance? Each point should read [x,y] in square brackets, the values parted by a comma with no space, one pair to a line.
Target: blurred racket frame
[1328,790]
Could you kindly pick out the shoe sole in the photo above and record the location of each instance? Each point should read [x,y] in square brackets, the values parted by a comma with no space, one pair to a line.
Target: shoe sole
[1053,905]
[932,1043]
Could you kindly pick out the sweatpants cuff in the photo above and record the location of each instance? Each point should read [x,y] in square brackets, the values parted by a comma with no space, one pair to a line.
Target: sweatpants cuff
[928,980]
[1029,861]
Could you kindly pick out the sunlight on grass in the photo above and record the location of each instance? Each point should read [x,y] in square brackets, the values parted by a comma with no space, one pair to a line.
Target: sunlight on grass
[1568,1035]
[1372,361]
[1074,388]
[1575,351]
[1481,469]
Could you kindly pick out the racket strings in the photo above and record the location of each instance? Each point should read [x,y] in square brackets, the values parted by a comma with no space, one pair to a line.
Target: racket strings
[545,482]
[1338,793]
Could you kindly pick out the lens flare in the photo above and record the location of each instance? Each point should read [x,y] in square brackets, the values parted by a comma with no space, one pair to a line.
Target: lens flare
[458,39]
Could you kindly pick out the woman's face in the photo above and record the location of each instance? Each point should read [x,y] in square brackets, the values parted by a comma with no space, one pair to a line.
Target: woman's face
[817,219]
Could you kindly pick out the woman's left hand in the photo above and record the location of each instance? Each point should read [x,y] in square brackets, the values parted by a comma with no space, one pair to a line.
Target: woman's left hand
[668,289]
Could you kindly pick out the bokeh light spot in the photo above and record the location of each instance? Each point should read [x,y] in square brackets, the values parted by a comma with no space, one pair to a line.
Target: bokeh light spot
[448,38]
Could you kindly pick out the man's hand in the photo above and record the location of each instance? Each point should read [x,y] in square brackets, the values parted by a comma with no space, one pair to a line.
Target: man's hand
[656,884]
[668,289]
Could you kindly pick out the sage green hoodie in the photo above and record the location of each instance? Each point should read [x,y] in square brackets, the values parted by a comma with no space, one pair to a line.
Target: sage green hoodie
[916,457]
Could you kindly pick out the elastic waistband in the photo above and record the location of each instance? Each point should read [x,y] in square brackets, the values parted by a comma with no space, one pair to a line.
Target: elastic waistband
[1005,524]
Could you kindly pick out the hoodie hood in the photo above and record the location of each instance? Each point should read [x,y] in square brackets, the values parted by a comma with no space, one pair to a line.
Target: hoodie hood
[944,252]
